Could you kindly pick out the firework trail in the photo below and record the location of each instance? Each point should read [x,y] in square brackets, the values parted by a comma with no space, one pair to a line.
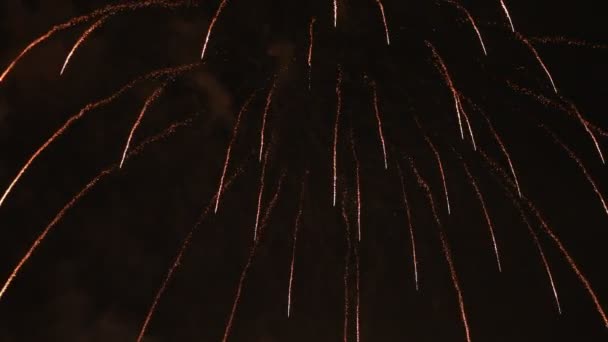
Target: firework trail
[469,127]
[265,117]
[384,22]
[485,213]
[311,38]
[358,293]
[294,241]
[446,249]
[211,25]
[252,251]
[235,132]
[151,99]
[538,58]
[379,121]
[102,175]
[507,14]
[587,127]
[336,128]
[560,40]
[335,13]
[443,70]
[473,23]
[358,183]
[547,229]
[81,40]
[410,224]
[439,163]
[346,268]
[180,255]
[260,194]
[107,11]
[172,71]
[580,164]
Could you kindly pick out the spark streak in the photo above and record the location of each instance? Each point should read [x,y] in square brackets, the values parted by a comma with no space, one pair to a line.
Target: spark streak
[410,225]
[384,22]
[538,58]
[473,24]
[265,117]
[260,194]
[358,183]
[379,121]
[336,129]
[211,25]
[311,38]
[346,268]
[235,131]
[81,40]
[335,13]
[506,10]
[294,242]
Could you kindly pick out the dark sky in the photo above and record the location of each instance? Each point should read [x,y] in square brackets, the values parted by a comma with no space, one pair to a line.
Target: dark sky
[95,275]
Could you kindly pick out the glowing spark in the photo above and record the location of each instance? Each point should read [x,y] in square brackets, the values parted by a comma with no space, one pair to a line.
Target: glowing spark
[473,24]
[311,37]
[580,164]
[587,127]
[538,58]
[358,292]
[211,25]
[384,22]
[379,121]
[260,194]
[59,216]
[82,38]
[446,250]
[358,181]
[346,269]
[235,132]
[336,128]
[89,107]
[335,13]
[410,225]
[293,249]
[264,118]
[506,10]
[439,163]
[469,127]
[443,70]
[567,41]
[155,95]
[485,213]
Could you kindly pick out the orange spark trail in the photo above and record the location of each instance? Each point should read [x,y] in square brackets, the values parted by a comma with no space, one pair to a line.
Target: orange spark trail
[485,212]
[443,70]
[82,38]
[557,242]
[106,11]
[151,99]
[211,25]
[235,131]
[410,224]
[294,242]
[358,181]
[379,121]
[567,41]
[386,31]
[473,23]
[336,128]
[264,117]
[506,10]
[260,194]
[252,251]
[358,292]
[580,164]
[311,37]
[439,163]
[335,13]
[346,268]
[167,132]
[446,249]
[587,127]
[469,127]
[538,58]
[178,259]
[89,107]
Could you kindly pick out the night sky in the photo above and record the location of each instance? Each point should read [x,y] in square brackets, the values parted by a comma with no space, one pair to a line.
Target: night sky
[96,274]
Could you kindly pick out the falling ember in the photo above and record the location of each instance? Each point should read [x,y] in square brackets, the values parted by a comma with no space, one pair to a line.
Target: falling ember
[384,22]
[336,128]
[538,58]
[89,107]
[580,164]
[235,131]
[469,126]
[294,242]
[59,216]
[211,25]
[485,213]
[265,117]
[346,268]
[506,10]
[473,23]
[254,246]
[155,95]
[443,70]
[358,183]
[260,194]
[587,127]
[439,163]
[106,11]
[446,250]
[311,38]
[82,38]
[410,225]
[335,13]
[379,121]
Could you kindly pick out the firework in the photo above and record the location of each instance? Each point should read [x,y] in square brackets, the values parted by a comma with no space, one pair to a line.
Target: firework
[81,40]
[384,22]
[294,244]
[538,58]
[358,183]
[265,117]
[211,25]
[410,225]
[507,14]
[473,24]
[379,122]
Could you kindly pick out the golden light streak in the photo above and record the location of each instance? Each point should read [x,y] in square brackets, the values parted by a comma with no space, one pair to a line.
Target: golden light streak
[81,40]
[538,58]
[294,244]
[410,224]
[379,122]
[265,117]
[473,24]
[506,10]
[211,25]
[384,22]
[335,143]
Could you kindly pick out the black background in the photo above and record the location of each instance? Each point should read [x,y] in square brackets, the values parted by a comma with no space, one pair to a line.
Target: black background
[96,274]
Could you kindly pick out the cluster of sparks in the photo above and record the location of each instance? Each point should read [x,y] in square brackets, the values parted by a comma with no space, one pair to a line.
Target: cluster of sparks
[508,179]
